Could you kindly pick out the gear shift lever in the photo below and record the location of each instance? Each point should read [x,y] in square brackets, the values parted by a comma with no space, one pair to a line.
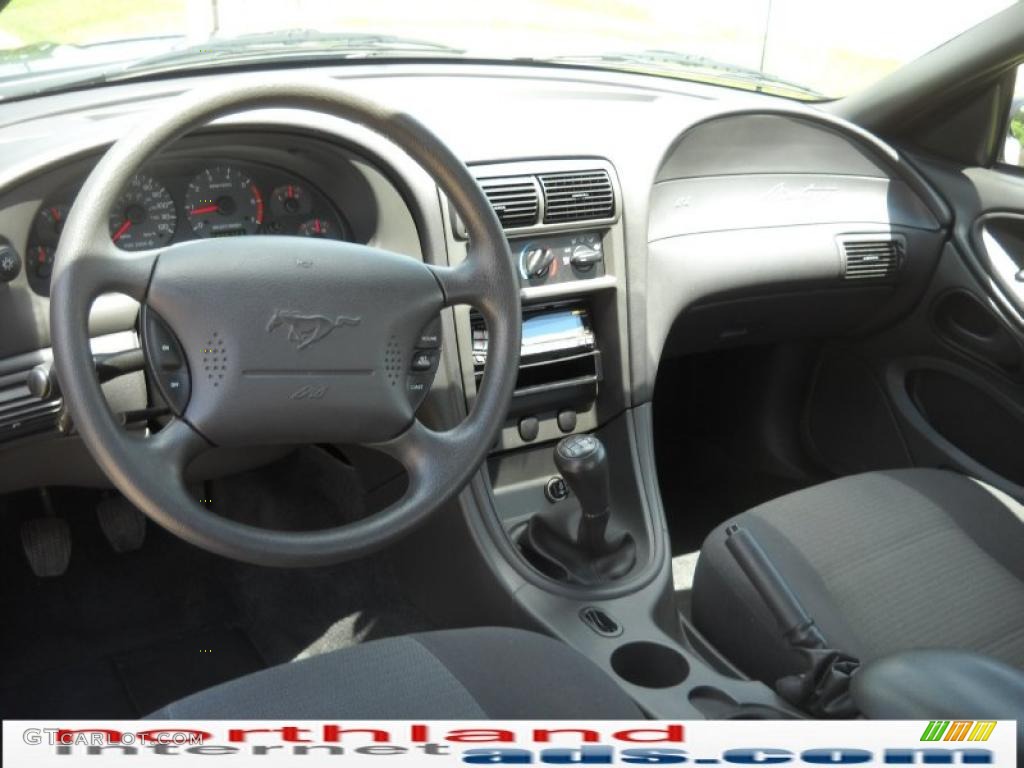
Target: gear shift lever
[583,463]
[578,542]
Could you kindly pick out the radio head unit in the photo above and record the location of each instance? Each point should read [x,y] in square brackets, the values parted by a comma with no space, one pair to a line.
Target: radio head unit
[559,364]
[547,333]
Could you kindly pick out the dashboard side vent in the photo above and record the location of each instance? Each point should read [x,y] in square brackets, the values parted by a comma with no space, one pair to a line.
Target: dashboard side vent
[871,259]
[23,413]
[515,199]
[577,195]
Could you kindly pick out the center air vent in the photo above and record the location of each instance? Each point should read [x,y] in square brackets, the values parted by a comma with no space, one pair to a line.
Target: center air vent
[577,195]
[871,259]
[515,199]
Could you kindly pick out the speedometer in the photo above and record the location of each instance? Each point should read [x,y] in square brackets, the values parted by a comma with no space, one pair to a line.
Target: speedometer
[222,201]
[144,215]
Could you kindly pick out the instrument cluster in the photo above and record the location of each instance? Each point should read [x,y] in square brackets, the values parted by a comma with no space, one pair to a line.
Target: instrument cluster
[184,201]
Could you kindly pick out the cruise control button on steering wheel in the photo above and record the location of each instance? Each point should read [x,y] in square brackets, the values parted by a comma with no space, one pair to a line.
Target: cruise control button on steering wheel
[166,361]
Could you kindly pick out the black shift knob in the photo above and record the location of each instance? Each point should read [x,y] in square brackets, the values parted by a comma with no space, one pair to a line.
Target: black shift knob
[583,462]
[579,546]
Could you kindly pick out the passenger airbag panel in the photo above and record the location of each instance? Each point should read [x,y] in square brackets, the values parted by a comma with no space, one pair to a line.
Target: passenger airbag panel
[720,203]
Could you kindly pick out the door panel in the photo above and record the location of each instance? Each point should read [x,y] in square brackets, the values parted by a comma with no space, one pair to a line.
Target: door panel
[998,241]
[973,401]
[951,373]
[965,323]
[992,435]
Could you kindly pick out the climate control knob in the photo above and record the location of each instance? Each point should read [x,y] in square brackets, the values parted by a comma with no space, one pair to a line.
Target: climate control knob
[584,257]
[536,261]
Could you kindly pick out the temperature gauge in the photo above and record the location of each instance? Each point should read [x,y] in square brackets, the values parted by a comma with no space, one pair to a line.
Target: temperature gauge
[50,222]
[319,228]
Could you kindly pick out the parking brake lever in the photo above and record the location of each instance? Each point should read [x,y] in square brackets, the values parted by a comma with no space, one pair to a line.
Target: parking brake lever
[822,689]
[797,626]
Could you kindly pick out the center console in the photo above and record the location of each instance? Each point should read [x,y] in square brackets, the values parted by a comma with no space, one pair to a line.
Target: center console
[563,226]
[562,220]
[568,530]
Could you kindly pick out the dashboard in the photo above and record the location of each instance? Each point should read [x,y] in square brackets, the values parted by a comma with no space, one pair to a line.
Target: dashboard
[188,198]
[686,217]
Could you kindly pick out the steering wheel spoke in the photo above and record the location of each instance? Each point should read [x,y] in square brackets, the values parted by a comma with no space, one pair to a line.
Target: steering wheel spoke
[462,284]
[414,447]
[174,446]
[118,272]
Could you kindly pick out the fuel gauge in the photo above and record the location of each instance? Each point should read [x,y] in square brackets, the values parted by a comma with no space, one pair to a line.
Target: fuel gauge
[40,260]
[290,200]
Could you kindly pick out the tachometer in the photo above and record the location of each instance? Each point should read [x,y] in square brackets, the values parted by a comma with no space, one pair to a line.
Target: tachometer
[223,201]
[144,216]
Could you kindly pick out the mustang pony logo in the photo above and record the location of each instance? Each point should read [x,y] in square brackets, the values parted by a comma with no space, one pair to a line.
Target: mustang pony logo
[304,330]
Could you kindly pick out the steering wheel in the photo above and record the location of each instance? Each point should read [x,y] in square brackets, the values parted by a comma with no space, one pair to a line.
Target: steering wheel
[282,340]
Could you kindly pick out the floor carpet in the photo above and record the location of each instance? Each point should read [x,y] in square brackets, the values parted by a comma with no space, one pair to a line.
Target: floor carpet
[120,635]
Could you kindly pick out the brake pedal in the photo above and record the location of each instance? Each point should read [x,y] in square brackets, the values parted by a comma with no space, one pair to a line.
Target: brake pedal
[46,542]
[122,524]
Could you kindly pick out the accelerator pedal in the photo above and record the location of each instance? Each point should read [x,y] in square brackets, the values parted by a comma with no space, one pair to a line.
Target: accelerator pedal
[122,524]
[46,542]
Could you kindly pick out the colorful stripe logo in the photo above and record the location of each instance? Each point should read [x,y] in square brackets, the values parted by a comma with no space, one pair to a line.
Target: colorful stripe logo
[958,730]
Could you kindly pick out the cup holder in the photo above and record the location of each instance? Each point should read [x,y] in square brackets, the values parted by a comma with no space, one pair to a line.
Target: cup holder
[650,665]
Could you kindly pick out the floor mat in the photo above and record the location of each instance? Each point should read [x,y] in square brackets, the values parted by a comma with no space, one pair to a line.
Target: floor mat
[159,674]
[77,691]
[120,635]
[135,682]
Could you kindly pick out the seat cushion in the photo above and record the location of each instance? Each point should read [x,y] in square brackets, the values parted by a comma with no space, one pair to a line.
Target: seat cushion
[883,561]
[482,673]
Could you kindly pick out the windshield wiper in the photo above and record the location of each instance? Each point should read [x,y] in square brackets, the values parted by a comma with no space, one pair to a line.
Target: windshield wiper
[687,62]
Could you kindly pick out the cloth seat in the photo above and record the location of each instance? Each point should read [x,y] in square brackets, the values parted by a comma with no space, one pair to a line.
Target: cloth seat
[481,673]
[883,562]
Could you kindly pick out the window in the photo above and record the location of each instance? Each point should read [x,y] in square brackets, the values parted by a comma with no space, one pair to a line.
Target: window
[1013,146]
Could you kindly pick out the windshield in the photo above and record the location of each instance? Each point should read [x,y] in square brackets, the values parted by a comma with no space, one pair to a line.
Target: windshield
[808,49]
